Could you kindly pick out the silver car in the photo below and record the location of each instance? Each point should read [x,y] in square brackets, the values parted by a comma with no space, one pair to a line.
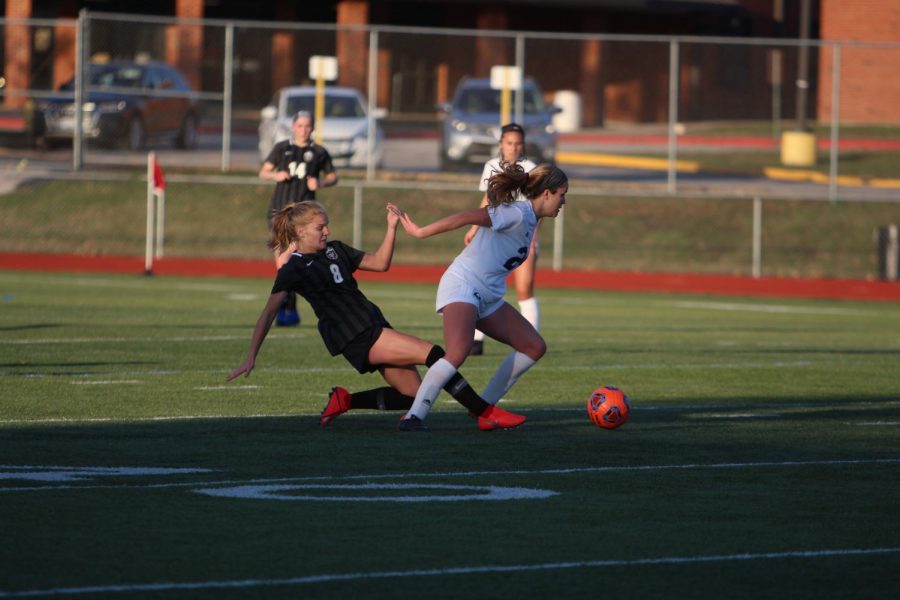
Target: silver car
[470,129]
[345,128]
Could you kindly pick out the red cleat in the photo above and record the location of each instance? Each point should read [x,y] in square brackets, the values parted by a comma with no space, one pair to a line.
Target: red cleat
[497,418]
[338,404]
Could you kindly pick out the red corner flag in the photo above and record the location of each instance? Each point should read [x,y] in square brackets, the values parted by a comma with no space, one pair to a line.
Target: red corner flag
[159,182]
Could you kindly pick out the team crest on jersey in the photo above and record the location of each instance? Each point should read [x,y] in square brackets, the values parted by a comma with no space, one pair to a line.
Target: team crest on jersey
[330,254]
[307,156]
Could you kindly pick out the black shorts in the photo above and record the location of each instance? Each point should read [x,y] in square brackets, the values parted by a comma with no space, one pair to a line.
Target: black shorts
[357,351]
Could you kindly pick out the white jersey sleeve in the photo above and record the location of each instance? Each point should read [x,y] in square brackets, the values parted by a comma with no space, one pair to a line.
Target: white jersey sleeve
[493,166]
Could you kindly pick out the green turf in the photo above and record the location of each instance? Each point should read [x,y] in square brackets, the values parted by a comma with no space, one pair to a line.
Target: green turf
[762,455]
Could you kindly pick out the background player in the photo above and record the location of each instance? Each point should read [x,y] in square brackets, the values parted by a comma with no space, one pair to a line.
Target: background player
[299,167]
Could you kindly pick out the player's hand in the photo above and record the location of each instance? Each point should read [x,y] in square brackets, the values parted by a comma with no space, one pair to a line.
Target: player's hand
[393,214]
[470,234]
[282,176]
[312,184]
[244,369]
[410,227]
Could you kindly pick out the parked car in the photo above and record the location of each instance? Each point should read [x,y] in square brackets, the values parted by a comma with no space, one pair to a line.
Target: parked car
[126,104]
[471,125]
[345,127]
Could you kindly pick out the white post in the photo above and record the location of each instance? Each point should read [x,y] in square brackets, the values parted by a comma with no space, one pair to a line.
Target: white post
[757,238]
[558,239]
[148,248]
[160,220]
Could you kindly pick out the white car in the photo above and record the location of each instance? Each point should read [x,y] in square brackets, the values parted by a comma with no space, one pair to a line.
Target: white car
[345,128]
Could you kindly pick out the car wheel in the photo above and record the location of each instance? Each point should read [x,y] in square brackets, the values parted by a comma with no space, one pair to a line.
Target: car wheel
[187,137]
[135,134]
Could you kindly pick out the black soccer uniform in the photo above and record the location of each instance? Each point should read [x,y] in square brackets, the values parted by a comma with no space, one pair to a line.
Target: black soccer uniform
[301,162]
[325,279]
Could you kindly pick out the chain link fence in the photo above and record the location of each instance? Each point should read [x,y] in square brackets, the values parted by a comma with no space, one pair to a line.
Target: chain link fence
[653,130]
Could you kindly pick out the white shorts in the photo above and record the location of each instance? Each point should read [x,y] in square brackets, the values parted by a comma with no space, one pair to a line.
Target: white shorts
[455,289]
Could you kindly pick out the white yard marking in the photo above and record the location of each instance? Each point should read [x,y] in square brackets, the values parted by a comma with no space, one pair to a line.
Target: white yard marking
[407,476]
[464,492]
[57,473]
[777,308]
[208,388]
[452,571]
[107,382]
[879,423]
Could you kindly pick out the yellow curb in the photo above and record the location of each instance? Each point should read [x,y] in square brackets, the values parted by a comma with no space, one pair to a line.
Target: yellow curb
[813,176]
[787,174]
[628,162]
[885,183]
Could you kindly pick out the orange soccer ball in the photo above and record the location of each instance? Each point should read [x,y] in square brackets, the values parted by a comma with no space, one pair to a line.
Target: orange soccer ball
[608,407]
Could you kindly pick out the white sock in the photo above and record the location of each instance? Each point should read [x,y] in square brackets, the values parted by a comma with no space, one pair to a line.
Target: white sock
[531,310]
[479,335]
[509,371]
[432,384]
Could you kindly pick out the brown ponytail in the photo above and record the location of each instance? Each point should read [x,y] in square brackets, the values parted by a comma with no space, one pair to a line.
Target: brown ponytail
[505,186]
[288,219]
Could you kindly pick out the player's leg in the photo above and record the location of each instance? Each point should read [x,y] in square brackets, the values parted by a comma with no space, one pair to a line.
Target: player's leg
[287,314]
[508,326]
[396,348]
[459,325]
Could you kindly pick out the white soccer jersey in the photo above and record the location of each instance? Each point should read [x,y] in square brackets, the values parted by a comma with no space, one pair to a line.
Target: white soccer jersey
[493,166]
[495,251]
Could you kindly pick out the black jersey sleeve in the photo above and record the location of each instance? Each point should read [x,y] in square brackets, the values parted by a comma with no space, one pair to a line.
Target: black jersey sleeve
[286,278]
[275,153]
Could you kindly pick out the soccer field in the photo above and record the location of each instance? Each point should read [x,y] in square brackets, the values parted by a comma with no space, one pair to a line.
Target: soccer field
[762,458]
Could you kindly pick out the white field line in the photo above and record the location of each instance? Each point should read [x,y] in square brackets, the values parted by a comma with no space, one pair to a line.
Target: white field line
[152,419]
[779,309]
[516,472]
[451,571]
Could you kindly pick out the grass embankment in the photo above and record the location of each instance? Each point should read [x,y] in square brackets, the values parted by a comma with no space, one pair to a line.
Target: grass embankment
[806,239]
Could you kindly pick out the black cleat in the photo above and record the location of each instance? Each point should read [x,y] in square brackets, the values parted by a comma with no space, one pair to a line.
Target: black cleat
[477,348]
[413,423]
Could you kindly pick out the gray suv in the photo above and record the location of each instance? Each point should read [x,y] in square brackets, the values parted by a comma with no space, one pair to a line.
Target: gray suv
[471,126]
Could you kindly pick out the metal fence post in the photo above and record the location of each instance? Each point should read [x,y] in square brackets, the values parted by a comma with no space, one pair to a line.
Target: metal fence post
[673,114]
[82,65]
[227,98]
[357,215]
[373,103]
[835,121]
[757,238]
[520,62]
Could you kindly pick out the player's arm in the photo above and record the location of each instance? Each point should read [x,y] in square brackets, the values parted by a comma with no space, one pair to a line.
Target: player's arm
[477,217]
[381,260]
[270,173]
[259,334]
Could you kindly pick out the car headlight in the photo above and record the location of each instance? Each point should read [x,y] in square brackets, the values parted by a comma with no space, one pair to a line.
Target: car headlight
[104,107]
[459,125]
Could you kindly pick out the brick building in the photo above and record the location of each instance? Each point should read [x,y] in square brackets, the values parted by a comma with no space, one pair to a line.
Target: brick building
[615,83]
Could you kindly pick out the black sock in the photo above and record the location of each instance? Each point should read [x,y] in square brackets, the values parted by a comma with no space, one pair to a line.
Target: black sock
[458,387]
[463,393]
[383,398]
